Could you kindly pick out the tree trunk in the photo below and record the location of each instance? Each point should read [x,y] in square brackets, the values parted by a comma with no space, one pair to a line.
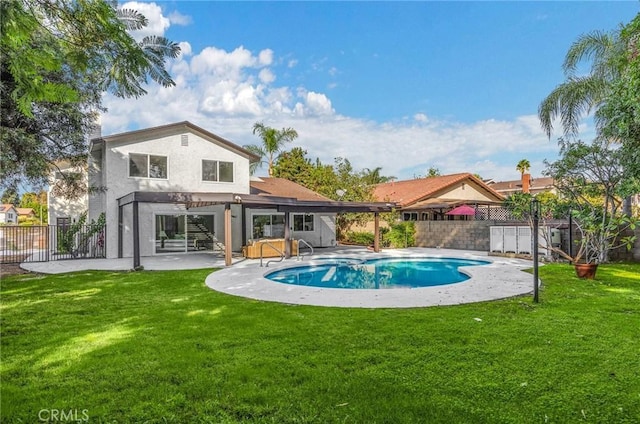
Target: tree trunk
[626,206]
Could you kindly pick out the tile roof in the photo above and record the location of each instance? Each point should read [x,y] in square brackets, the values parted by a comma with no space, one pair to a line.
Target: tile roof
[25,211]
[282,187]
[408,192]
[5,207]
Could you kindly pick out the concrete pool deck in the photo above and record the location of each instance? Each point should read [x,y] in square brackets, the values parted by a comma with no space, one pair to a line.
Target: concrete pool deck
[502,278]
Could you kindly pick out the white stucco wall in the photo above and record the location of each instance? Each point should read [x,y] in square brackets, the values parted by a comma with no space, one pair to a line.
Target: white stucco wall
[468,192]
[60,207]
[324,226]
[97,183]
[323,234]
[184,174]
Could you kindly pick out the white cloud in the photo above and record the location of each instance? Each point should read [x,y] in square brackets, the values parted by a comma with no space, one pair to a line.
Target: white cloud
[266,76]
[318,104]
[420,117]
[185,48]
[231,98]
[221,63]
[292,63]
[227,92]
[178,18]
[265,57]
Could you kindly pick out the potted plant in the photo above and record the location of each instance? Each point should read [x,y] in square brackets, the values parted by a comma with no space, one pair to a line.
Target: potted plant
[599,232]
[591,180]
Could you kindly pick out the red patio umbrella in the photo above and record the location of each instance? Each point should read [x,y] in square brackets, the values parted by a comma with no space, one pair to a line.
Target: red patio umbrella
[462,210]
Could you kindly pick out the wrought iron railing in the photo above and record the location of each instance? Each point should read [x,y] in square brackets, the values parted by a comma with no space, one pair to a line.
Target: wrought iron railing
[43,243]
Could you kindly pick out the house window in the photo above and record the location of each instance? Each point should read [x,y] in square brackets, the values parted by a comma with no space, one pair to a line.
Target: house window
[302,222]
[213,170]
[410,216]
[147,166]
[268,226]
[185,233]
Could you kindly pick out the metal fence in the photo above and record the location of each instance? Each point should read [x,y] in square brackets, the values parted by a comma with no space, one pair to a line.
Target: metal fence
[51,242]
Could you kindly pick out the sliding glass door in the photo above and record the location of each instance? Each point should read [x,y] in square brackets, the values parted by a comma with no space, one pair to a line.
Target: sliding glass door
[184,233]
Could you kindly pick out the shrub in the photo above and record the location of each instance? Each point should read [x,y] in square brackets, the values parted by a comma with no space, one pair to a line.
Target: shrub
[402,234]
[362,237]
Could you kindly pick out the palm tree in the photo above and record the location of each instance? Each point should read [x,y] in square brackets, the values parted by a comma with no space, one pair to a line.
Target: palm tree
[579,95]
[272,143]
[373,176]
[522,167]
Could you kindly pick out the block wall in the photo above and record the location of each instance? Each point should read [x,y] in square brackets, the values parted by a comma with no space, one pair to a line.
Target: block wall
[469,235]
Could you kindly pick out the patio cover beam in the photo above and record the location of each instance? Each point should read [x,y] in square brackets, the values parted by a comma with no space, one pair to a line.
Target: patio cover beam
[227,234]
[283,204]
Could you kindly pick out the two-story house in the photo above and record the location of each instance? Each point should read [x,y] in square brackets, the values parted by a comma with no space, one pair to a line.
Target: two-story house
[179,188]
[8,214]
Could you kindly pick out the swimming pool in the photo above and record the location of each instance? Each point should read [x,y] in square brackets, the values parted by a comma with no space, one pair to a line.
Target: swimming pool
[383,273]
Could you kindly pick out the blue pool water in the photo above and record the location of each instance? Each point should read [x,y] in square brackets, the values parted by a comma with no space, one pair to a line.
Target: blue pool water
[387,273]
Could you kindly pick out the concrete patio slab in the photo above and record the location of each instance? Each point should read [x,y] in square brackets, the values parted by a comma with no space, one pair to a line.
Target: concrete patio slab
[151,263]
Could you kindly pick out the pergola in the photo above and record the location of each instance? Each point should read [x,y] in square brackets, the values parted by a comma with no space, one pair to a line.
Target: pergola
[281,204]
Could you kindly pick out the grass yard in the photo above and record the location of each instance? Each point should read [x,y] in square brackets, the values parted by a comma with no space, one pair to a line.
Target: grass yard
[162,347]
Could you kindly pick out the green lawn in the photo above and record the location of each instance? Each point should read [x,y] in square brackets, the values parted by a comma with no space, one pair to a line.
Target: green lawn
[162,347]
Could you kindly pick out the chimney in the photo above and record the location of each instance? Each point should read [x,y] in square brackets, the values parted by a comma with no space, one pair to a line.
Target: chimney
[526,179]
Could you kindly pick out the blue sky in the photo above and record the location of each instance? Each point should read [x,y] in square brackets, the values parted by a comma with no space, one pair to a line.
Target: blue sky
[400,85]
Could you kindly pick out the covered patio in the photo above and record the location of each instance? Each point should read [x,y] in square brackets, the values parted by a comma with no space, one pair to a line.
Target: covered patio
[198,200]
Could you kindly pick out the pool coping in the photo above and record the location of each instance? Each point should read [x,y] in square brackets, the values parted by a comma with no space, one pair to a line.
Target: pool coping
[502,278]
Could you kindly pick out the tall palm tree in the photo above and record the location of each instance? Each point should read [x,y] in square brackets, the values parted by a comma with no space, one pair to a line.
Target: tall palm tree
[272,143]
[580,95]
[522,167]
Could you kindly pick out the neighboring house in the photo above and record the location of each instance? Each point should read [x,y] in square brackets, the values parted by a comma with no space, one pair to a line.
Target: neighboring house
[27,213]
[8,214]
[180,188]
[524,185]
[535,186]
[429,199]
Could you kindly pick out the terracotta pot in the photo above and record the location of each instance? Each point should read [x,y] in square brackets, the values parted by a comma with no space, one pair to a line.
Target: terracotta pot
[586,271]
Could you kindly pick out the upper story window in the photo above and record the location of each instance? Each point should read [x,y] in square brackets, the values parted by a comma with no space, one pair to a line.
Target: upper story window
[147,166]
[214,170]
